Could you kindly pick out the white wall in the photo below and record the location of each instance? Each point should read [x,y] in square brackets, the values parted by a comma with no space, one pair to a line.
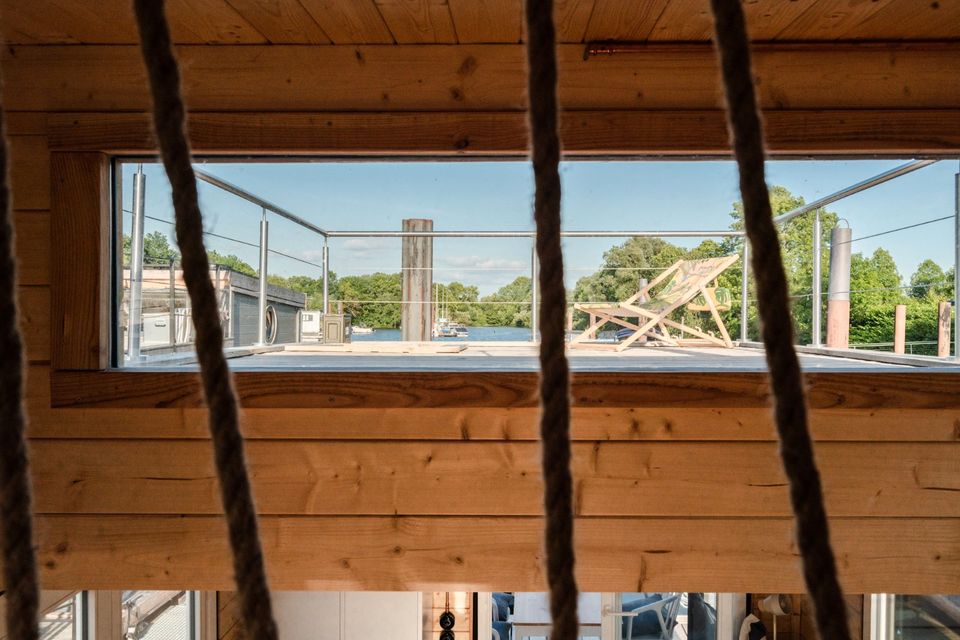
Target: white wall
[348,615]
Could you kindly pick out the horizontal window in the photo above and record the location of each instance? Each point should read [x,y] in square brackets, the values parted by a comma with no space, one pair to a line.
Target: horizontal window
[379,265]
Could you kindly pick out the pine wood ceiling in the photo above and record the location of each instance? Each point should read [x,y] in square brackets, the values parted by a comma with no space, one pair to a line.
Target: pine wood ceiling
[471,21]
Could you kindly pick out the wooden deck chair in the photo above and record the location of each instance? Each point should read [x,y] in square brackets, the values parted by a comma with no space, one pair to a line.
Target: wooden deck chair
[685,283]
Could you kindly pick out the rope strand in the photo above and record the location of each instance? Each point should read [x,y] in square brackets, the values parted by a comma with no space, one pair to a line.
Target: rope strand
[170,124]
[19,559]
[786,379]
[554,370]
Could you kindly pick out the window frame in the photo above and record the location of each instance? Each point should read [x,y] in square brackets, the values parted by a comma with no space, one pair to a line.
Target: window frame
[82,249]
[102,619]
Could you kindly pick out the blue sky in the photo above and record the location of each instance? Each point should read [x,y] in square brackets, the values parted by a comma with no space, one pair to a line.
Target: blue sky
[473,196]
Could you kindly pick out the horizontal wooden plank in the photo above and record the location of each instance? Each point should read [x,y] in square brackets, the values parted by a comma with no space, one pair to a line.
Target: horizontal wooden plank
[26,123]
[488,423]
[475,478]
[910,389]
[485,423]
[33,247]
[29,171]
[34,307]
[481,77]
[898,555]
[906,132]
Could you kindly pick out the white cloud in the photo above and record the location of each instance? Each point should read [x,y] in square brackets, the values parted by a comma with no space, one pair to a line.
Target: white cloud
[366,247]
[481,263]
[312,255]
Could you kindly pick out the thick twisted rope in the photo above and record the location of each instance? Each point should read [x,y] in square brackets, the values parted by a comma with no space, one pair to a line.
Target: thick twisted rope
[554,371]
[19,560]
[786,379]
[170,124]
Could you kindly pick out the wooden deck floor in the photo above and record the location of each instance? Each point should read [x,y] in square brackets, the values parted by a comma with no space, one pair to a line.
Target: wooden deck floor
[370,356]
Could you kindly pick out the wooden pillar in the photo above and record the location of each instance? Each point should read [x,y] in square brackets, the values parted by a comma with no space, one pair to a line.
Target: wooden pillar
[416,312]
[899,328]
[943,330]
[838,292]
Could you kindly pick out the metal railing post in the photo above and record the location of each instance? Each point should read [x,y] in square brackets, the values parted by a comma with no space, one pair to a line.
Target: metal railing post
[815,300]
[173,303]
[262,301]
[534,295]
[744,290]
[956,267]
[135,316]
[326,275]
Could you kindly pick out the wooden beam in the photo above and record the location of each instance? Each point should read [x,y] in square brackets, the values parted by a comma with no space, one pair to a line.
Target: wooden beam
[719,479]
[484,424]
[637,423]
[899,327]
[417,389]
[80,258]
[481,77]
[875,555]
[587,133]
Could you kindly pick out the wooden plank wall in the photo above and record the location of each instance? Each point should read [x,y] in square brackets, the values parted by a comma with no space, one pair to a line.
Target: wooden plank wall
[229,625]
[461,604]
[679,498]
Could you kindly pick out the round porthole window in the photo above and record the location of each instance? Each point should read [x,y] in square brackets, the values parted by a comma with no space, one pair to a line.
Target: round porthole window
[272,324]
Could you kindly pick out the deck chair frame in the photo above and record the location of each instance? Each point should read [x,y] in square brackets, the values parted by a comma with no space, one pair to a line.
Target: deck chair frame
[601,314]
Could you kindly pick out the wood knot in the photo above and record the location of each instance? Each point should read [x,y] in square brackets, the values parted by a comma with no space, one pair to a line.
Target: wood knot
[468,66]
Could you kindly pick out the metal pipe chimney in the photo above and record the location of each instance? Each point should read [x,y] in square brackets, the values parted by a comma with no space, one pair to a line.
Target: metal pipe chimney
[135,316]
[838,293]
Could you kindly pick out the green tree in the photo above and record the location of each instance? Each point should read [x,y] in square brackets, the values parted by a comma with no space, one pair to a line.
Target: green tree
[623,267]
[369,299]
[456,299]
[928,281]
[231,262]
[156,249]
[796,243]
[498,314]
[874,293]
[929,285]
[312,287]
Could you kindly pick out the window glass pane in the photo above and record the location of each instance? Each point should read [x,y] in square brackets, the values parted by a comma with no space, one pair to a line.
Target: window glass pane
[670,616]
[156,615]
[61,622]
[927,617]
[336,271]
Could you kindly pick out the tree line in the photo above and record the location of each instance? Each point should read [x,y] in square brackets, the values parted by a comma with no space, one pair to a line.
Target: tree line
[372,299]
[875,282]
